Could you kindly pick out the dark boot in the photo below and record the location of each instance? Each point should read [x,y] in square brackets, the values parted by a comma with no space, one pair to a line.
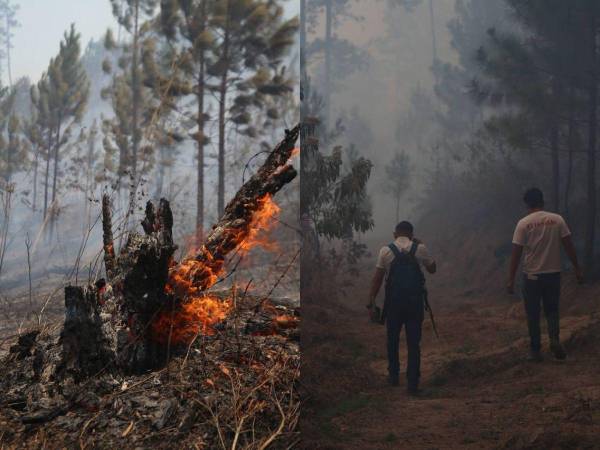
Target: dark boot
[553,333]
[394,379]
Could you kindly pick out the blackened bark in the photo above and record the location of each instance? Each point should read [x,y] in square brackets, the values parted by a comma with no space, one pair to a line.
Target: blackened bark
[226,234]
[86,349]
[107,239]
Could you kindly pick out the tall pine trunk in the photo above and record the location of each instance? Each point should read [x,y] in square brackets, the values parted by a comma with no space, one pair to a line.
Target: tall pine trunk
[200,136]
[160,176]
[55,178]
[432,26]
[591,152]
[35,175]
[571,149]
[47,174]
[8,46]
[303,75]
[135,105]
[328,56]
[222,110]
[56,161]
[554,154]
[554,150]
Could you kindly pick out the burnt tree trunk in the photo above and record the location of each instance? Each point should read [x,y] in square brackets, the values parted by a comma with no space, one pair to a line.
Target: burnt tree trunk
[110,325]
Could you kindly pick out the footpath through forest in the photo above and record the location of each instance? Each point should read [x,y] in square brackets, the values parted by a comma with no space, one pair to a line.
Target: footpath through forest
[479,390]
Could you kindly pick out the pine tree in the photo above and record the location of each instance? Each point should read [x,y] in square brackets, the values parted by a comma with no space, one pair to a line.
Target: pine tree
[188,21]
[125,131]
[13,151]
[339,55]
[253,40]
[60,101]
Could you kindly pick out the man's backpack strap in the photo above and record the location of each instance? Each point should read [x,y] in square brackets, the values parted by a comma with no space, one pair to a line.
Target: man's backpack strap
[395,250]
[413,249]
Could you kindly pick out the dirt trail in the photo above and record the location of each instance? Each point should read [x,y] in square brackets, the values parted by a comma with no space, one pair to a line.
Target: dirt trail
[479,392]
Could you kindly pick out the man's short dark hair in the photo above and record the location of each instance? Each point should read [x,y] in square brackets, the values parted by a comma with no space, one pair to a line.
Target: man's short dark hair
[534,198]
[404,227]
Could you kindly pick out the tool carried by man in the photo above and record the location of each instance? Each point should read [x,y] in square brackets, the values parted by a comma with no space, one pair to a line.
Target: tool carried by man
[430,311]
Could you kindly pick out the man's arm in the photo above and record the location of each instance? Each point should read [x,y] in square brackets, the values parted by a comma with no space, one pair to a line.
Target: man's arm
[572,254]
[376,285]
[431,268]
[517,251]
[428,261]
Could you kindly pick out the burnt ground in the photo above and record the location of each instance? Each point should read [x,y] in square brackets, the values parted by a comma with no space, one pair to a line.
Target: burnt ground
[479,391]
[235,388]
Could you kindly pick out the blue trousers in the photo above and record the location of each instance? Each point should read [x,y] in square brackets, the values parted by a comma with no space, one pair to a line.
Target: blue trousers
[413,326]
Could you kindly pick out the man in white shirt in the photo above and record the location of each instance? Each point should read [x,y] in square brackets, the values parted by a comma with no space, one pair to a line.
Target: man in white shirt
[538,237]
[400,263]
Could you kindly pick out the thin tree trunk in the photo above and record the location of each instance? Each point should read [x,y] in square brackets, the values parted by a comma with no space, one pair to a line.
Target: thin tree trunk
[591,172]
[433,39]
[554,144]
[222,109]
[56,159]
[54,179]
[35,175]
[398,208]
[47,176]
[303,74]
[137,137]
[200,138]
[89,175]
[328,55]
[161,172]
[8,43]
[555,168]
[571,148]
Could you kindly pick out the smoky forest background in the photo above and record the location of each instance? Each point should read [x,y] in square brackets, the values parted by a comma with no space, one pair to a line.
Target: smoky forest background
[440,112]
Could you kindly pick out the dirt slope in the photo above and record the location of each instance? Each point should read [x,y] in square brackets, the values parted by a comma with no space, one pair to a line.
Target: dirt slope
[479,390]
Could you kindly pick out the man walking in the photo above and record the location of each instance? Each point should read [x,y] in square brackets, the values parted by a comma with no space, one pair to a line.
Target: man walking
[539,236]
[404,299]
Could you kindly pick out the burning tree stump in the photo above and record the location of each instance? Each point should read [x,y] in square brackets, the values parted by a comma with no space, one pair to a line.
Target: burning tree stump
[111,325]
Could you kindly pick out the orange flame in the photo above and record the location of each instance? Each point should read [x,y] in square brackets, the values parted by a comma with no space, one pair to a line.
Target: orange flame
[263,220]
[194,275]
[194,317]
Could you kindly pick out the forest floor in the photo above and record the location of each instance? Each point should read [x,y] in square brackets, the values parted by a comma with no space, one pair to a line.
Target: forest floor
[478,389]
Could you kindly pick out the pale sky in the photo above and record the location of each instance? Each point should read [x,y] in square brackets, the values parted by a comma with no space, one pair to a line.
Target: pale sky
[43,23]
